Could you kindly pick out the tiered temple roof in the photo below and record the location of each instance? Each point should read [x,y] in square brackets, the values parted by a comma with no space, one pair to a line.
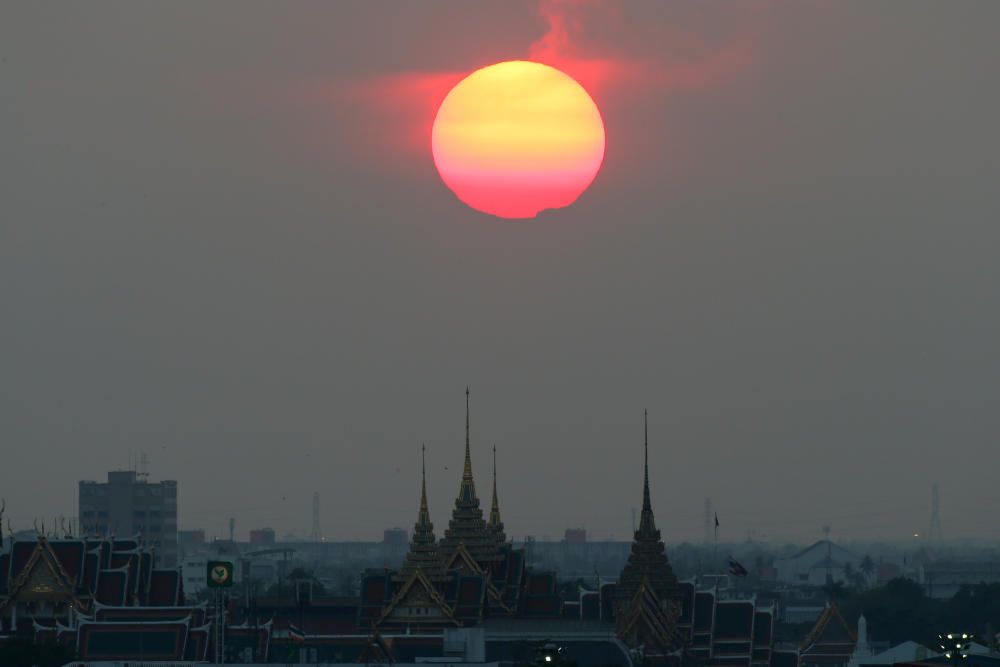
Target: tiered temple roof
[471,573]
[423,554]
[467,529]
[647,594]
[648,558]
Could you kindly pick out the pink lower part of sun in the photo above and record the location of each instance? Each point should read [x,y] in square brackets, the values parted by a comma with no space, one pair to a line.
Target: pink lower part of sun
[517,195]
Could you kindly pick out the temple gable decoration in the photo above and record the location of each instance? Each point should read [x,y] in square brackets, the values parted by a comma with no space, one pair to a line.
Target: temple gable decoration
[42,579]
[418,602]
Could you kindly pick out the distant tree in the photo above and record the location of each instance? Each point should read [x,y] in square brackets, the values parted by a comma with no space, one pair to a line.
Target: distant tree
[899,611]
[975,609]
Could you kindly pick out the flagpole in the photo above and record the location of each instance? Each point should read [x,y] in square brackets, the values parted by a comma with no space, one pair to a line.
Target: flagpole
[715,548]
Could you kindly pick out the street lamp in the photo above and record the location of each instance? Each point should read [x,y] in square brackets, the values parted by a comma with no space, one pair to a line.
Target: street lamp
[549,654]
[955,646]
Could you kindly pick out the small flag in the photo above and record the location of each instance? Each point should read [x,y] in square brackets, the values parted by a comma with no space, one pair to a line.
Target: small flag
[295,633]
[736,569]
[716,519]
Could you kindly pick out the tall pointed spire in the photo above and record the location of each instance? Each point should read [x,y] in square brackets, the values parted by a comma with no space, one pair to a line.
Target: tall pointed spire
[467,526]
[648,558]
[646,523]
[496,524]
[423,546]
[425,516]
[467,491]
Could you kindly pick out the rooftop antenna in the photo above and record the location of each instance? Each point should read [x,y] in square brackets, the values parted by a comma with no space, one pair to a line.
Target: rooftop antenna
[143,466]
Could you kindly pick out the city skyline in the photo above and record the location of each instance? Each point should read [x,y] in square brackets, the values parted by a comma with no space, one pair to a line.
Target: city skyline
[219,527]
[225,243]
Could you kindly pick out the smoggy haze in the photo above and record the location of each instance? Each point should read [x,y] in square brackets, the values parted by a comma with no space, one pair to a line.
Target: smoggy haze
[223,242]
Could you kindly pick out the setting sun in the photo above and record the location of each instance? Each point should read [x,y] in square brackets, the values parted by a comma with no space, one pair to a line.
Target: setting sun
[516,138]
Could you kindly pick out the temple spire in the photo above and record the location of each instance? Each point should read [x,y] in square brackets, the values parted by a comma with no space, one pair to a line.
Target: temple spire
[468,527]
[646,523]
[647,568]
[424,516]
[496,524]
[423,545]
[467,492]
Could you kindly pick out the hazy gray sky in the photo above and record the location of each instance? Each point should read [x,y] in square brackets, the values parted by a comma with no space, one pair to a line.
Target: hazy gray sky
[223,242]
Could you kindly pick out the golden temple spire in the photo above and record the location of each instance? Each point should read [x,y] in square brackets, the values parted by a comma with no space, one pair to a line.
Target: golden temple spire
[467,492]
[423,545]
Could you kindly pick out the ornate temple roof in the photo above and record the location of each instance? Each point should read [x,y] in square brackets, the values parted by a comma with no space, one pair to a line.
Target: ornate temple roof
[496,523]
[423,554]
[830,636]
[467,526]
[648,558]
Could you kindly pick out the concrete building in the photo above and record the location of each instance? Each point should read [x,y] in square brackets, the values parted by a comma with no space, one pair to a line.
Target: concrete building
[127,505]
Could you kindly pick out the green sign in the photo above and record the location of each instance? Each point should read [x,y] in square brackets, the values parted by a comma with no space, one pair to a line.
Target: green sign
[220,574]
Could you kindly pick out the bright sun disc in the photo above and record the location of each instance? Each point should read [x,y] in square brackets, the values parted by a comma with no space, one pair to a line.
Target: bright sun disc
[516,138]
